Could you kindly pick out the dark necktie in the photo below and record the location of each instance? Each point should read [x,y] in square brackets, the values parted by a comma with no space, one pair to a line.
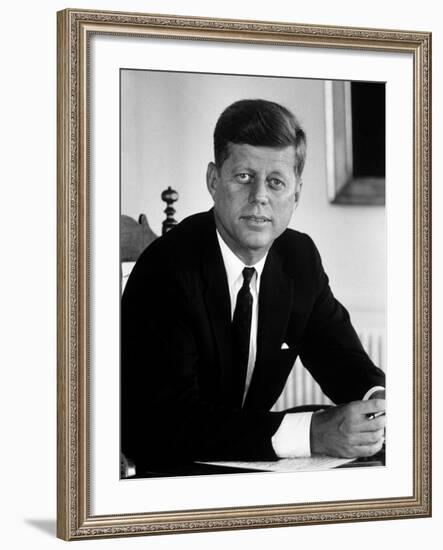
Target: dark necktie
[241,331]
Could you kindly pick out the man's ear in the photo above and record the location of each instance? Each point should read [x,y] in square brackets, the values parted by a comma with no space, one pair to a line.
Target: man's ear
[298,187]
[211,178]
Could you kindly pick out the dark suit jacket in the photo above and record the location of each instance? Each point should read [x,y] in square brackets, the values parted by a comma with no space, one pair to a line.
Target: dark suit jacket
[177,395]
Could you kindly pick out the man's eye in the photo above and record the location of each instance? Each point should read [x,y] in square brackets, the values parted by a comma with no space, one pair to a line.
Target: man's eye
[275,183]
[243,177]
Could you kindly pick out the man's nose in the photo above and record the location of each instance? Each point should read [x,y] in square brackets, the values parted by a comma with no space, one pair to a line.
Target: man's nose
[258,191]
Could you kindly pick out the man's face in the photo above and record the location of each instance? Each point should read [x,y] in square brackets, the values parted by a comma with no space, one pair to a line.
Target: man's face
[255,193]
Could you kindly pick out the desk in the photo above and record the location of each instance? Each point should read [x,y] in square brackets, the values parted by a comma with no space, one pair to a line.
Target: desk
[198,469]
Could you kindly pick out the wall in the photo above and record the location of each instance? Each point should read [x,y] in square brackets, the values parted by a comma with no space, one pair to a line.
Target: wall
[28,320]
[167,124]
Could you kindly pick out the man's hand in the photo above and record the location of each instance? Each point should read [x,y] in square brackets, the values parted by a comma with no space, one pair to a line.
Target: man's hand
[347,431]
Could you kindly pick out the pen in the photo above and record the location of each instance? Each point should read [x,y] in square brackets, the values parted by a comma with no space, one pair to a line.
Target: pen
[371,416]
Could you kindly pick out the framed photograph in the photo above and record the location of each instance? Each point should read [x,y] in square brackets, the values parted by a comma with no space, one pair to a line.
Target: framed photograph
[159,201]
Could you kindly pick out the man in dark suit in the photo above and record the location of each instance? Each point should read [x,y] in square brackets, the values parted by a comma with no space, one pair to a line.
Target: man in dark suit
[216,311]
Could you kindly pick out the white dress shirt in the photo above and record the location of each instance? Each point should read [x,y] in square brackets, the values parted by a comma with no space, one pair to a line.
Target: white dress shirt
[234,272]
[292,439]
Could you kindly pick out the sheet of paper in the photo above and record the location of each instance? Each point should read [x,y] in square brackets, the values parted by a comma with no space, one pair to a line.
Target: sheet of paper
[317,462]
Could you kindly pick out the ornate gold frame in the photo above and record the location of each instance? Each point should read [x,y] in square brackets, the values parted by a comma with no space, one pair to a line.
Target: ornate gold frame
[74,29]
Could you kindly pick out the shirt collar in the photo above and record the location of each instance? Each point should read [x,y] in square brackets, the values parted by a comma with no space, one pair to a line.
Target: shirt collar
[234,266]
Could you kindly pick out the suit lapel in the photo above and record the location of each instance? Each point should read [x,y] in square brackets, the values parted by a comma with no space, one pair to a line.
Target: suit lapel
[218,307]
[275,303]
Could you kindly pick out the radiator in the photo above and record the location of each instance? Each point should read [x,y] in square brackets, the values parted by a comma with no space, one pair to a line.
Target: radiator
[302,389]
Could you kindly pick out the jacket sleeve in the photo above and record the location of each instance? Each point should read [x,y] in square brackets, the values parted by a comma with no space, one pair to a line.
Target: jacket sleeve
[331,349]
[167,413]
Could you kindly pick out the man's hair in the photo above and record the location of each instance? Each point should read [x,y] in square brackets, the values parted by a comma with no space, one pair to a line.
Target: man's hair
[260,123]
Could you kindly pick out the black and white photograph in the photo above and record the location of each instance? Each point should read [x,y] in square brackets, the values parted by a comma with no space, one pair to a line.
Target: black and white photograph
[253,274]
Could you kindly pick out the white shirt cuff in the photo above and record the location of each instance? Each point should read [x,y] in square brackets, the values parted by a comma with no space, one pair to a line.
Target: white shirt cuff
[292,439]
[372,391]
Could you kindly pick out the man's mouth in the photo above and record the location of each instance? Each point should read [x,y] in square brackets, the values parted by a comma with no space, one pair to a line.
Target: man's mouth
[256,219]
